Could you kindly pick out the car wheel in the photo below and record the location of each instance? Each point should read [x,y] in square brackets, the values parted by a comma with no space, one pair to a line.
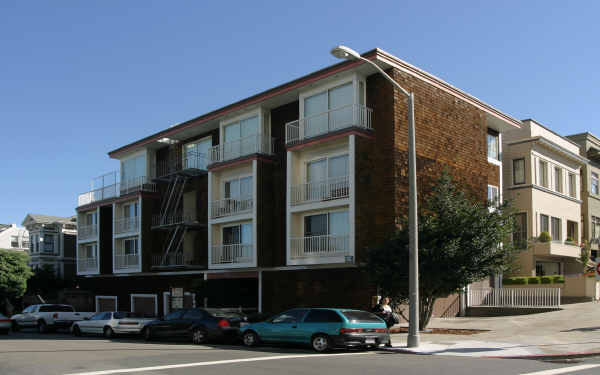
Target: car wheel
[147,333]
[320,343]
[199,336]
[108,332]
[250,338]
[42,327]
[76,331]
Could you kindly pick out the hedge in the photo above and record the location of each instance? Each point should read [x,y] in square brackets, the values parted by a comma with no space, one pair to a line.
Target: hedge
[533,280]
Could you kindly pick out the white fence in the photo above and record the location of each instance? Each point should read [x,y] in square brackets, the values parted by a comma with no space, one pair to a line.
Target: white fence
[514,297]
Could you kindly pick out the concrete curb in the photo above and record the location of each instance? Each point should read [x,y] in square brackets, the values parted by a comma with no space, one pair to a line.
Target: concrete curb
[529,356]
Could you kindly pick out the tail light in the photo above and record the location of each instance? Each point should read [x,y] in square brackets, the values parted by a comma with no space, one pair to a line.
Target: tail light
[223,323]
[55,315]
[350,330]
[381,330]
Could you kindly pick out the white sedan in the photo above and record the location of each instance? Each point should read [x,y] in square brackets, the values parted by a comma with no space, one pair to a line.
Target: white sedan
[111,323]
[5,323]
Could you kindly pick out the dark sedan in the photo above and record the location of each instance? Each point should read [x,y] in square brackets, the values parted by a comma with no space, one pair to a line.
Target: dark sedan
[198,325]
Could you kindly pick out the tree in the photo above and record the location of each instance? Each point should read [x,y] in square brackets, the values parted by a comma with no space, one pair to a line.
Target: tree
[586,257]
[45,282]
[461,241]
[14,273]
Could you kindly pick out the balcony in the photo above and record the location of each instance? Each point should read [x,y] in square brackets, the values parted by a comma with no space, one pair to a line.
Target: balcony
[178,218]
[107,186]
[230,207]
[175,260]
[86,232]
[192,164]
[127,261]
[87,264]
[557,248]
[318,191]
[127,225]
[320,246]
[348,116]
[232,254]
[254,144]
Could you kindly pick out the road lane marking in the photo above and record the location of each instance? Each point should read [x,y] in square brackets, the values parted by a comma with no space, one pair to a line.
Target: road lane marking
[212,363]
[563,370]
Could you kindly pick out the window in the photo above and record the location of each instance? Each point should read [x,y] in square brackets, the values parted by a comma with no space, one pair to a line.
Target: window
[595,227]
[357,316]
[175,315]
[14,241]
[91,218]
[130,210]
[133,168]
[493,144]
[238,234]
[493,196]
[323,169]
[322,316]
[547,268]
[333,223]
[572,185]
[89,251]
[48,243]
[595,184]
[556,229]
[543,174]
[25,244]
[328,110]
[544,224]
[99,316]
[558,180]
[572,233]
[291,316]
[194,314]
[518,171]
[239,189]
[196,154]
[520,232]
[131,246]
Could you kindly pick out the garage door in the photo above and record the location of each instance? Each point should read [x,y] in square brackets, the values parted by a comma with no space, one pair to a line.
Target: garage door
[106,303]
[144,304]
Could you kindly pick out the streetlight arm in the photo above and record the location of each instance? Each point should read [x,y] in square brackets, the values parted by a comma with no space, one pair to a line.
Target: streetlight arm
[405,92]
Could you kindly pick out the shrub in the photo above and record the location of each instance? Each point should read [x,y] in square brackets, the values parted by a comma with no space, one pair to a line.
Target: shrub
[570,239]
[558,279]
[533,280]
[514,281]
[545,237]
[546,279]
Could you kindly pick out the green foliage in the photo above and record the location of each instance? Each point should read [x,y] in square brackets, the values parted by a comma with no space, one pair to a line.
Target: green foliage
[14,272]
[458,244]
[586,257]
[558,279]
[45,282]
[546,279]
[545,237]
[533,280]
[514,281]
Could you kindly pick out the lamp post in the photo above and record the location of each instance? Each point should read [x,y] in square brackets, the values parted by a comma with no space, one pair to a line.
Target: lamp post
[344,52]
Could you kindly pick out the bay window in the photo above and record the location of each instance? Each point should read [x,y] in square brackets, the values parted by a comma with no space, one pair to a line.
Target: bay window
[518,171]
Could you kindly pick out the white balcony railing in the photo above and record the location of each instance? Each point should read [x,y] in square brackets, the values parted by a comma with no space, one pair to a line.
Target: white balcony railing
[85,232]
[254,144]
[229,207]
[87,264]
[97,195]
[125,261]
[348,116]
[175,260]
[114,189]
[232,254]
[332,188]
[127,224]
[320,246]
[135,184]
[190,161]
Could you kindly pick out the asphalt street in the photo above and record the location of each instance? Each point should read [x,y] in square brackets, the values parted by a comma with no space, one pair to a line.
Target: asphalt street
[60,353]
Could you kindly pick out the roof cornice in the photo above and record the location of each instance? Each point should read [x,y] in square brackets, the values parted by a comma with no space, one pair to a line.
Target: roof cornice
[554,146]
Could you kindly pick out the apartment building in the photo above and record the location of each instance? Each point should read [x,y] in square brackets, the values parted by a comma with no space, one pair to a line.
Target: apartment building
[273,200]
[542,180]
[590,188]
[13,237]
[52,242]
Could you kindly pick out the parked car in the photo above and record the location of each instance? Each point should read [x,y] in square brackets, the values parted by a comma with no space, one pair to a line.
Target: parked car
[48,317]
[4,324]
[199,325]
[112,323]
[321,328]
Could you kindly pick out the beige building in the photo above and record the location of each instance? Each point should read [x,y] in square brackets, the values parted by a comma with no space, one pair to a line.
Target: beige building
[541,173]
[590,188]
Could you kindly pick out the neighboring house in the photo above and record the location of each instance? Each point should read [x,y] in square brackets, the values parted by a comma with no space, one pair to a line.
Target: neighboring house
[13,237]
[275,198]
[52,242]
[590,188]
[542,176]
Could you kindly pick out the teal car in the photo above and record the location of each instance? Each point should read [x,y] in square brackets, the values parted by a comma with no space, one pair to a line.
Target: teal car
[321,328]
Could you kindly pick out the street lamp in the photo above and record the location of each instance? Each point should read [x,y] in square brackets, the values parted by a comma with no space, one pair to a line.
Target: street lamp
[343,52]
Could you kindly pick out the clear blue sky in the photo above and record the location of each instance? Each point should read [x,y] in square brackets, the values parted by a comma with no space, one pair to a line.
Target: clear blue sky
[81,78]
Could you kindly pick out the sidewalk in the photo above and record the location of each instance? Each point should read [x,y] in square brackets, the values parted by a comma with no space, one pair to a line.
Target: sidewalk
[575,330]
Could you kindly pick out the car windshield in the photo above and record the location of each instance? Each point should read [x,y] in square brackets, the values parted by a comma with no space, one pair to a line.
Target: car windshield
[125,314]
[357,316]
[224,314]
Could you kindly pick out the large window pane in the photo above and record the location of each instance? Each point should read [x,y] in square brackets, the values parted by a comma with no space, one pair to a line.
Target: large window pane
[340,100]
[231,235]
[315,114]
[493,143]
[520,233]
[338,166]
[556,229]
[544,224]
[232,189]
[519,171]
[316,170]
[246,187]
[315,225]
[246,233]
[338,223]
[558,185]
[595,183]
[232,132]
[249,126]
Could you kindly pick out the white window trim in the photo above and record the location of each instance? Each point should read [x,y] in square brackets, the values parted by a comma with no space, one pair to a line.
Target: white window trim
[353,78]
[107,297]
[166,296]
[132,305]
